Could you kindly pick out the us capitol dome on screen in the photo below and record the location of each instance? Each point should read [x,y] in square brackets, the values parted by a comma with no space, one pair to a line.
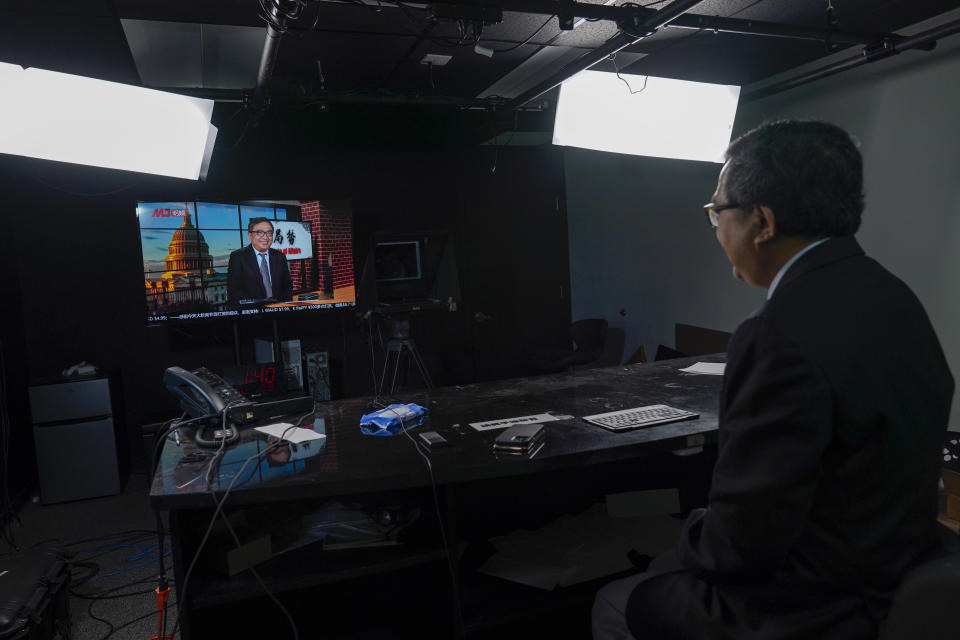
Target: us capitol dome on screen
[190,278]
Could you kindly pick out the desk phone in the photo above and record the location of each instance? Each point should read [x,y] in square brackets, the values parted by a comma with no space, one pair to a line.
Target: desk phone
[202,394]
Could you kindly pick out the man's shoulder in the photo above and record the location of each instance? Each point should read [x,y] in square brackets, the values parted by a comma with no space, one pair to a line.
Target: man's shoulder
[829,264]
[241,250]
[747,332]
[847,283]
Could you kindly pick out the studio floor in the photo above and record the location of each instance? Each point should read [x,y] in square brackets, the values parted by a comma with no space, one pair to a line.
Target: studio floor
[114,550]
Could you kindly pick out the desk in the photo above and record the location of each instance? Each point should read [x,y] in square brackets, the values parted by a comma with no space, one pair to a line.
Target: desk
[342,296]
[353,463]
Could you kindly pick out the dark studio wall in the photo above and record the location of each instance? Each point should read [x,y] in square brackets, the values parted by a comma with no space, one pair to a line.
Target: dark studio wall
[16,451]
[74,241]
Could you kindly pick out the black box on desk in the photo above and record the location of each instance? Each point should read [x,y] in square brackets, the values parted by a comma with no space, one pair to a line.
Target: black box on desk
[318,375]
[290,354]
[33,596]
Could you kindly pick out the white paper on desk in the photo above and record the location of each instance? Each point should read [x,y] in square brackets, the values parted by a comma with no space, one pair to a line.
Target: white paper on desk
[509,422]
[706,368]
[296,435]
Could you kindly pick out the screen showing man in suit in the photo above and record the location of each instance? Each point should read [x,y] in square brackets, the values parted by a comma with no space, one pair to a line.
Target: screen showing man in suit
[189,247]
[832,415]
[257,272]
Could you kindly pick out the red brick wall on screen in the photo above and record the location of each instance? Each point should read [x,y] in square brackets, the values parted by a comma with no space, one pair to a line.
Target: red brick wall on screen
[332,243]
[302,274]
[300,271]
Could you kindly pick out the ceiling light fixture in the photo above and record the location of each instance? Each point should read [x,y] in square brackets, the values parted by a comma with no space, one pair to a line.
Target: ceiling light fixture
[68,118]
[647,116]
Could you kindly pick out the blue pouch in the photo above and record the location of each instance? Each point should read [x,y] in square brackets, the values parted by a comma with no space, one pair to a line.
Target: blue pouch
[392,419]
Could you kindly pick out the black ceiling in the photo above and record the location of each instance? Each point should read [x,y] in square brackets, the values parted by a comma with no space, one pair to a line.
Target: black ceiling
[366,50]
[363,45]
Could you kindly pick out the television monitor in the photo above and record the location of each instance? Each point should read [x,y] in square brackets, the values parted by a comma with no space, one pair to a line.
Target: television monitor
[187,246]
[397,260]
[409,271]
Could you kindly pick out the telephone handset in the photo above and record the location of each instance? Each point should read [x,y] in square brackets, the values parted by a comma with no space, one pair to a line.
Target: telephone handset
[202,394]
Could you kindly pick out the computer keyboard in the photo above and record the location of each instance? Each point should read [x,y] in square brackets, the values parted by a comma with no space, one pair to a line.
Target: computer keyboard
[639,417]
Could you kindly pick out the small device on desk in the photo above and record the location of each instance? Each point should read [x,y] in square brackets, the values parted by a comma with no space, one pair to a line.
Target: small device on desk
[256,411]
[521,439]
[433,439]
[204,394]
[638,417]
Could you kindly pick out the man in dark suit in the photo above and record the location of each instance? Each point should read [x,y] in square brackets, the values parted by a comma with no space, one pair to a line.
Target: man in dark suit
[832,414]
[258,272]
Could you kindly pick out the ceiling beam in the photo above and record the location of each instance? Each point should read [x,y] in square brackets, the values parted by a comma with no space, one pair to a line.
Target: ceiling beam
[773,29]
[620,41]
[887,47]
[626,13]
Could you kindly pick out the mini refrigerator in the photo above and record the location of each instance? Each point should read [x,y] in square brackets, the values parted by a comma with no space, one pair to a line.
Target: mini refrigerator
[73,429]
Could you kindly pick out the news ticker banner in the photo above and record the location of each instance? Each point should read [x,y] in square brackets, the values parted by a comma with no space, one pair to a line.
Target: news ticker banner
[303,306]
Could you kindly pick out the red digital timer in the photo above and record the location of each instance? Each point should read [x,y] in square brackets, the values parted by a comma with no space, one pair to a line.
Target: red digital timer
[255,379]
[261,378]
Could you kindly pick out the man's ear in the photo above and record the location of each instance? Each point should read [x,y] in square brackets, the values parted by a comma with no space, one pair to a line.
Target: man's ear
[766,224]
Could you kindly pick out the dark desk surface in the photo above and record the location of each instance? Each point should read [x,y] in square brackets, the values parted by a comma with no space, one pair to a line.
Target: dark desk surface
[349,462]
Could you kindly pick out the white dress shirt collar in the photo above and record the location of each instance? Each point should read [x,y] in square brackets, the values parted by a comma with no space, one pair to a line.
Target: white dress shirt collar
[789,263]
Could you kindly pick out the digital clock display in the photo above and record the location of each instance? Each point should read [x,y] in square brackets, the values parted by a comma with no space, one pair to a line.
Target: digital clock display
[256,380]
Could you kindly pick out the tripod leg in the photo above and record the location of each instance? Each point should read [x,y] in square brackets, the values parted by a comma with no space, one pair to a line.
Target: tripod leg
[417,360]
[383,376]
[396,366]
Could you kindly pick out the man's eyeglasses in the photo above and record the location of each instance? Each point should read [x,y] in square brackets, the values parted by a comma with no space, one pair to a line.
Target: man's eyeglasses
[713,211]
[262,234]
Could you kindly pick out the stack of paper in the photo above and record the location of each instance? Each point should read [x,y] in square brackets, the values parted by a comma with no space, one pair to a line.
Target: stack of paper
[706,368]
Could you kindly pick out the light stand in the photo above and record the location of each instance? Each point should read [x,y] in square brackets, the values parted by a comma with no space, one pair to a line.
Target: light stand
[401,343]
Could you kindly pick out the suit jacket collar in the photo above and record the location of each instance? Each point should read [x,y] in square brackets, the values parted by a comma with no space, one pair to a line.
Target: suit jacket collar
[838,248]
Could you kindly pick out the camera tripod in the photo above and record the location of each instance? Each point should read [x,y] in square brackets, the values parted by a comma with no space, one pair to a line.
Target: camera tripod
[400,344]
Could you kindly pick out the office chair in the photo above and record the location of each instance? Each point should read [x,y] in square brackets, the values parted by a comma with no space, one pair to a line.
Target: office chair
[924,607]
[588,338]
